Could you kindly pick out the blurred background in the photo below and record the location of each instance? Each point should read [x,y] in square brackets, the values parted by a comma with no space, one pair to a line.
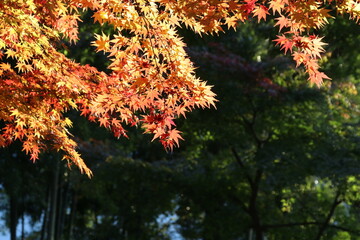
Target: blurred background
[277,160]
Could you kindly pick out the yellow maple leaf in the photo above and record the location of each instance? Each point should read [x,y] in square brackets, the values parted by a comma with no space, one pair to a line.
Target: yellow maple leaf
[102,42]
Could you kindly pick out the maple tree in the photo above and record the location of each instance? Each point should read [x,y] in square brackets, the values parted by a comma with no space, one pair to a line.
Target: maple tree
[152,80]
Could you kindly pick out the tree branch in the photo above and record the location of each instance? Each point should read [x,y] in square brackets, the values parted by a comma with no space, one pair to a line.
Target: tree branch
[325,224]
[240,202]
[242,166]
[285,225]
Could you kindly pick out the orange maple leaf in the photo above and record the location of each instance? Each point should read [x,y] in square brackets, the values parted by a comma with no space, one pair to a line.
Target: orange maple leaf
[102,42]
[285,43]
[282,22]
[277,5]
[100,16]
[260,12]
[104,121]
[174,135]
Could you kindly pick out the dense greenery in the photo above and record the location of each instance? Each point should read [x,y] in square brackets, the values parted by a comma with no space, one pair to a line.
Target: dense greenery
[277,158]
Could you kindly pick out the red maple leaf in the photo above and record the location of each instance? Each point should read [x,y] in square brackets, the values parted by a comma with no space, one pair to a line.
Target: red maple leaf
[285,43]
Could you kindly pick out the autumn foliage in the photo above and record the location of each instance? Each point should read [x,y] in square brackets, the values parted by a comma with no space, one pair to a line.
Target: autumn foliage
[152,80]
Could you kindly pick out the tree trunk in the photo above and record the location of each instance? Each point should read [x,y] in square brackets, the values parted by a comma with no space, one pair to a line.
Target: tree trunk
[53,202]
[254,214]
[44,225]
[72,214]
[13,217]
[63,197]
[254,183]
[22,226]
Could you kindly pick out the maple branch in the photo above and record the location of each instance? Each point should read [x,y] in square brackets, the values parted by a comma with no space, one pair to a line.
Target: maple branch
[157,59]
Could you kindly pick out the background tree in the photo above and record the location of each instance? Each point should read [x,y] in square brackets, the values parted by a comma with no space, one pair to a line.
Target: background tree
[281,163]
[276,158]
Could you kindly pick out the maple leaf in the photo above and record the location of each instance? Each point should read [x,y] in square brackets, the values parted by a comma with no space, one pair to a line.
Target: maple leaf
[158,133]
[233,5]
[231,22]
[260,12]
[102,42]
[100,16]
[174,135]
[318,78]
[115,122]
[152,94]
[277,5]
[5,66]
[282,22]
[285,43]
[249,6]
[299,58]
[316,45]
